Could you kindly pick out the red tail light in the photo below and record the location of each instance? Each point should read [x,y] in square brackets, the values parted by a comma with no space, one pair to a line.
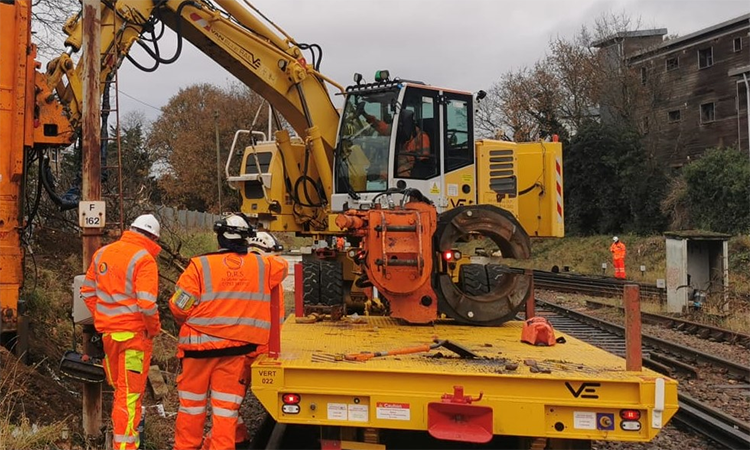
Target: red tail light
[290,399]
[630,414]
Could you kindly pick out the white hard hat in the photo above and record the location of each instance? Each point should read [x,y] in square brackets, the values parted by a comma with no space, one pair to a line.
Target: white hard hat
[615,239]
[148,224]
[265,242]
[233,227]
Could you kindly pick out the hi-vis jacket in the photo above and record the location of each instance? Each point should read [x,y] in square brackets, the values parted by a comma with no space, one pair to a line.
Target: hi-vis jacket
[223,300]
[618,250]
[122,284]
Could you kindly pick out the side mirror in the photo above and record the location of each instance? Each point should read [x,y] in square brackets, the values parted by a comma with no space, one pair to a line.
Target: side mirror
[481,94]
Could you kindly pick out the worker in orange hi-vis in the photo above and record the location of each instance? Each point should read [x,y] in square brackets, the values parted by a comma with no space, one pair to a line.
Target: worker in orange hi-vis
[340,243]
[120,290]
[618,251]
[222,303]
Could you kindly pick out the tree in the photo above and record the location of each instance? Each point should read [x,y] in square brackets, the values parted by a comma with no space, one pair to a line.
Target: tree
[716,191]
[47,19]
[523,106]
[184,136]
[610,183]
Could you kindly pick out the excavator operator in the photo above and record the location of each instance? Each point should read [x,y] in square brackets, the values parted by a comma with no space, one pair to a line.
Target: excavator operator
[412,143]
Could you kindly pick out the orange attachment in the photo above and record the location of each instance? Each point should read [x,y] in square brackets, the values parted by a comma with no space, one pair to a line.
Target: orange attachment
[538,331]
[399,256]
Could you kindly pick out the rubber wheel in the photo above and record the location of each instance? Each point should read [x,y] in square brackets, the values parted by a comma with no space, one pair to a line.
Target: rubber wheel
[472,279]
[331,283]
[311,282]
[495,274]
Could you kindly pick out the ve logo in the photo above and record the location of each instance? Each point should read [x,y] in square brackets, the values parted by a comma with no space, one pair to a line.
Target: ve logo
[588,388]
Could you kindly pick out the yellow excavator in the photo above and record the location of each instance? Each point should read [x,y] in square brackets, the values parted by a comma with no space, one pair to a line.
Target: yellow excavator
[401,175]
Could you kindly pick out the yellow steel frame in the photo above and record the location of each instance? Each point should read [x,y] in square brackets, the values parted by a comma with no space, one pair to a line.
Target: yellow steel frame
[579,399]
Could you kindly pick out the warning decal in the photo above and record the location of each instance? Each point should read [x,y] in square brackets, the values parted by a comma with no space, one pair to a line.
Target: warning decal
[393,411]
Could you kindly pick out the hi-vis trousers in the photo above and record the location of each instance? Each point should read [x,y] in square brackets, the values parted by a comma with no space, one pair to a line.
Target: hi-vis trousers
[219,379]
[619,268]
[126,362]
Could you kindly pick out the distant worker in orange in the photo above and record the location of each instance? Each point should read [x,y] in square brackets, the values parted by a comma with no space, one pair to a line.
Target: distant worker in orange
[412,143]
[222,304]
[618,257]
[340,243]
[120,290]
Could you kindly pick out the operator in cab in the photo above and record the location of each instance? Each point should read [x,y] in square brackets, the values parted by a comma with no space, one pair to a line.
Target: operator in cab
[412,143]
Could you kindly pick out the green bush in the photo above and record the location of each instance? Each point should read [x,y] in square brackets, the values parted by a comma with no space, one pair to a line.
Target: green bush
[717,191]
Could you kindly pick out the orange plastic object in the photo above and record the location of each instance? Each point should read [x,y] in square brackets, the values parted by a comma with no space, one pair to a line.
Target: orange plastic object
[538,331]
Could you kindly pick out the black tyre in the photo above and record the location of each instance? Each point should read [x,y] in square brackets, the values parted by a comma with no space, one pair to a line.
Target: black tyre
[331,283]
[495,274]
[311,282]
[472,279]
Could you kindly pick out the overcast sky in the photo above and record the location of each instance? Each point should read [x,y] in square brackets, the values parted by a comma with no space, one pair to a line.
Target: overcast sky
[461,44]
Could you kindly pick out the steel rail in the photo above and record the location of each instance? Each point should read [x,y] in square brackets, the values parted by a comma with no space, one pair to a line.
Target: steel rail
[716,425]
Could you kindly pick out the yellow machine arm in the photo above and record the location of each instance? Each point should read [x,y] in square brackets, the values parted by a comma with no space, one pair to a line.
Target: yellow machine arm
[232,35]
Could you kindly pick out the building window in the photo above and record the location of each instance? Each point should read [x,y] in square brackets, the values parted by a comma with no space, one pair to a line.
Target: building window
[737,44]
[706,57]
[707,113]
[673,63]
[643,75]
[674,116]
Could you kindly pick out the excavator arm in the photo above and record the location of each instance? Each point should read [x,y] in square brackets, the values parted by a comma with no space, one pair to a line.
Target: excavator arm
[229,33]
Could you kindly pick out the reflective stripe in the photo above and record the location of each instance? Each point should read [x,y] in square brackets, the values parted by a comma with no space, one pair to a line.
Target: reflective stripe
[224,397]
[151,311]
[130,273]
[116,311]
[193,410]
[200,339]
[114,298]
[207,282]
[147,296]
[88,294]
[191,396]
[124,438]
[233,295]
[89,283]
[223,412]
[230,321]
[261,272]
[98,258]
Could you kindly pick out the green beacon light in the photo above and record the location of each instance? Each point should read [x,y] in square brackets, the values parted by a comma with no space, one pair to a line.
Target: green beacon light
[382,75]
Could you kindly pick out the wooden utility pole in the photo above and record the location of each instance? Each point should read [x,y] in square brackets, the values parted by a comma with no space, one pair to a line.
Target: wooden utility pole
[218,157]
[91,189]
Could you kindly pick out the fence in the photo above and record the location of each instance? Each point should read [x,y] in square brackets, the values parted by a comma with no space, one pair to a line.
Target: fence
[186,219]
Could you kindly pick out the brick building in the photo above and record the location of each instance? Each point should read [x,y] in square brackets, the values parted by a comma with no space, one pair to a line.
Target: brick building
[696,87]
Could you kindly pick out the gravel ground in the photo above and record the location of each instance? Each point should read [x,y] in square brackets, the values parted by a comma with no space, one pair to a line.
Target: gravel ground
[713,387]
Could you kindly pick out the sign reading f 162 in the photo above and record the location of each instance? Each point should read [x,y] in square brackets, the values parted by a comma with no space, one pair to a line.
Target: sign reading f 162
[585,390]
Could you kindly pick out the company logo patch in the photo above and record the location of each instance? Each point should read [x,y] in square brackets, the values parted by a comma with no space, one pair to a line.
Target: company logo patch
[103,268]
[233,262]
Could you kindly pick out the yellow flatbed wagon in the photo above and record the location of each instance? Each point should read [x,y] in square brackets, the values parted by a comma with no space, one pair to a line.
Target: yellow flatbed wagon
[568,391]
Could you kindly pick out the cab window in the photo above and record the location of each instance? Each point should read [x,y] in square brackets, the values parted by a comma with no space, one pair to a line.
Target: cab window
[459,141]
[416,139]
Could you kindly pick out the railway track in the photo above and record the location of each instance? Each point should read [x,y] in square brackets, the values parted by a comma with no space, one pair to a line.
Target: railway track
[659,355]
[700,330]
[583,284]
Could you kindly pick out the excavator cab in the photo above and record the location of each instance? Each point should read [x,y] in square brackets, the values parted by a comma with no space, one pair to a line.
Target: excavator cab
[402,134]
